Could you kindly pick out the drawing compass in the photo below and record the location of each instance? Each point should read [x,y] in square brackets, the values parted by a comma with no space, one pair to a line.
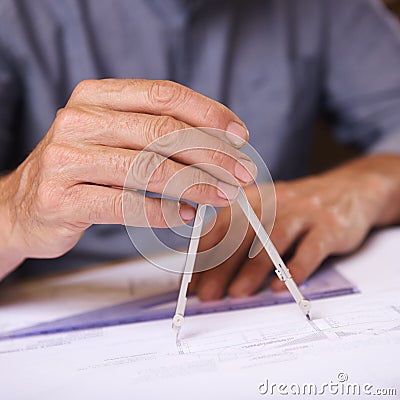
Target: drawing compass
[281,270]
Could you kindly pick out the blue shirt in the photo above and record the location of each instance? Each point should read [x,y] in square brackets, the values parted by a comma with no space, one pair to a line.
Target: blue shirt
[277,63]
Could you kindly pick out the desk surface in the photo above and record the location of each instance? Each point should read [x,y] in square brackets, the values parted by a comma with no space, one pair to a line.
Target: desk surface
[238,355]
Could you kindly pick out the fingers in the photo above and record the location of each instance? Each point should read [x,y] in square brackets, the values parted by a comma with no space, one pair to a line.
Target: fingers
[102,205]
[138,170]
[160,98]
[240,279]
[251,276]
[309,254]
[213,284]
[163,135]
[209,241]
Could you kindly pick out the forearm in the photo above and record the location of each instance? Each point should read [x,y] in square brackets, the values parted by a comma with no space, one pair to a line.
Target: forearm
[10,256]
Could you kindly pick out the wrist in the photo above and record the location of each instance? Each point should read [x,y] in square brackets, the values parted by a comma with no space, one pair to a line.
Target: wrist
[379,176]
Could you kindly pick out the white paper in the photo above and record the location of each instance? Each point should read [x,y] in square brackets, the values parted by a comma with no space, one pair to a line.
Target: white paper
[250,345]
[225,355]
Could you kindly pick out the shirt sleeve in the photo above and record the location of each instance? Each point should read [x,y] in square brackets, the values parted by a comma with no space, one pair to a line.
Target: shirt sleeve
[362,74]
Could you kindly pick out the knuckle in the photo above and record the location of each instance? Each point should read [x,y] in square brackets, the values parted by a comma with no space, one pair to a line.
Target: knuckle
[168,125]
[142,210]
[160,127]
[82,88]
[198,177]
[313,202]
[202,185]
[149,167]
[49,197]
[55,156]
[159,172]
[333,219]
[118,205]
[167,94]
[66,119]
[118,165]
[152,214]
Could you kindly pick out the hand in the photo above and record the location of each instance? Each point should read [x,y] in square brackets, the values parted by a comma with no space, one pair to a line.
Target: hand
[73,178]
[316,217]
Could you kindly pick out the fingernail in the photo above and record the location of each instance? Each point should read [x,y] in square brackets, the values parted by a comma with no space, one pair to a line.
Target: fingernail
[237,134]
[226,191]
[245,170]
[186,212]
